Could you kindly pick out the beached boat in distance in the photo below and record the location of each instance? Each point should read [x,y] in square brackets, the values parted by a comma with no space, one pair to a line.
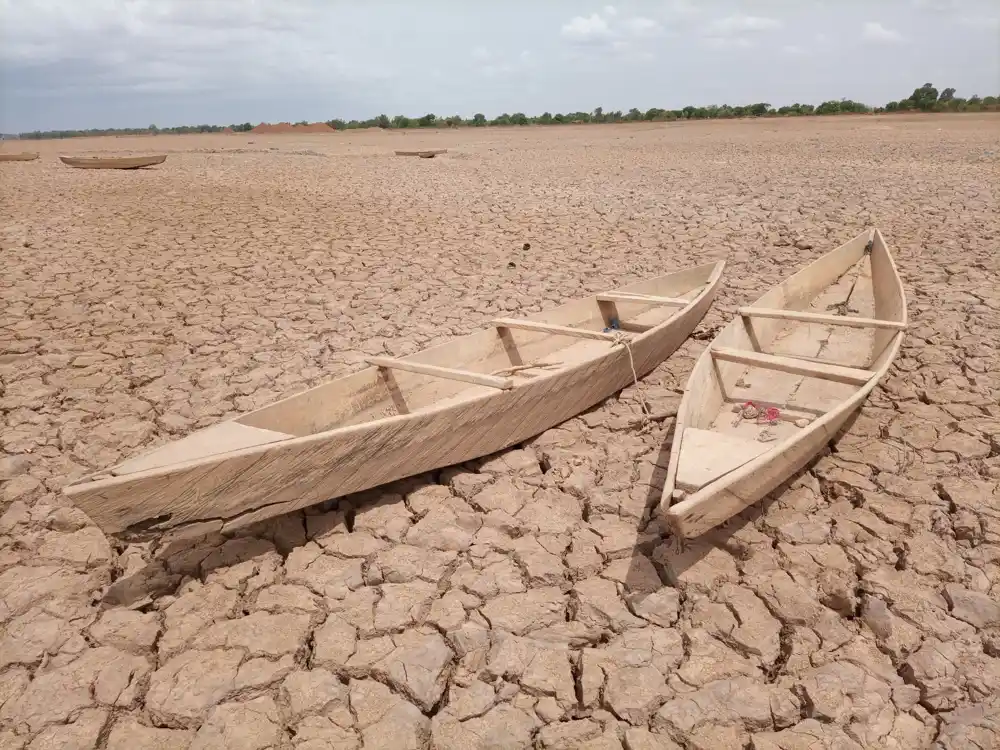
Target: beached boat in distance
[427,154]
[461,400]
[112,162]
[23,156]
[780,380]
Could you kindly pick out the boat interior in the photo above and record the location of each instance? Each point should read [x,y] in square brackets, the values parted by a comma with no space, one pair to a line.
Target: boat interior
[509,352]
[772,371]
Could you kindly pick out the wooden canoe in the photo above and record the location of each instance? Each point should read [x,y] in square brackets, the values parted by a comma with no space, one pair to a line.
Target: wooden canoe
[400,417]
[789,353]
[112,162]
[428,154]
[23,156]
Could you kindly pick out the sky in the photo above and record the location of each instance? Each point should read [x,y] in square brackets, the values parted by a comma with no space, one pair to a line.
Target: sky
[131,63]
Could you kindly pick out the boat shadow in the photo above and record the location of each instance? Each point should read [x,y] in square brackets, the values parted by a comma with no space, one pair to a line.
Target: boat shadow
[657,558]
[711,557]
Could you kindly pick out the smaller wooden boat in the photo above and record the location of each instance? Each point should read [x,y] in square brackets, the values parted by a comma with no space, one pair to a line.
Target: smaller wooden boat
[427,154]
[112,162]
[780,380]
[466,398]
[23,156]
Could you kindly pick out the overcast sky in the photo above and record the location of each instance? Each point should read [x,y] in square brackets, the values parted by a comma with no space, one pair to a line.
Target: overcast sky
[129,63]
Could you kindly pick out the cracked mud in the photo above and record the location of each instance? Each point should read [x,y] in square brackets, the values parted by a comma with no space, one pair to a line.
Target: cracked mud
[529,599]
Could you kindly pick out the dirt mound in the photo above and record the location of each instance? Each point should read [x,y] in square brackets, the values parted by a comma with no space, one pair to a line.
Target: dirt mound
[286,127]
[315,127]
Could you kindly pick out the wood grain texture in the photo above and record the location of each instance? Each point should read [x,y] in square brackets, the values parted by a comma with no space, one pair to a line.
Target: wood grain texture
[112,162]
[442,372]
[438,422]
[794,366]
[710,388]
[807,317]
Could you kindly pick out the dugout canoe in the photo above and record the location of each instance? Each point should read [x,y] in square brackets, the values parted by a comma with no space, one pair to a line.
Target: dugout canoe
[464,399]
[788,353]
[112,162]
[23,156]
[427,154]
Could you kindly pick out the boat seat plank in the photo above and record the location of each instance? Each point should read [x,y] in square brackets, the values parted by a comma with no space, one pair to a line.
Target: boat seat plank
[532,325]
[707,455]
[492,381]
[220,438]
[810,317]
[643,299]
[822,371]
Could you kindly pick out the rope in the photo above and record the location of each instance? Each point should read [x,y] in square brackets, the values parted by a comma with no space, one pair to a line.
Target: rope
[620,337]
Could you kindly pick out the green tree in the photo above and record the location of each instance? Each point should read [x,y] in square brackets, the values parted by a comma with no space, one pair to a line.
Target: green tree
[479,119]
[401,121]
[427,121]
[947,95]
[924,97]
[383,121]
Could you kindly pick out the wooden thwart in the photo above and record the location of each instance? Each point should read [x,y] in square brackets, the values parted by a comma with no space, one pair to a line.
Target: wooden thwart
[447,373]
[808,317]
[836,373]
[645,299]
[531,325]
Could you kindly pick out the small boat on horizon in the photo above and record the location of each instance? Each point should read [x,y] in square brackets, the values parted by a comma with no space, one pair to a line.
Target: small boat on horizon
[112,162]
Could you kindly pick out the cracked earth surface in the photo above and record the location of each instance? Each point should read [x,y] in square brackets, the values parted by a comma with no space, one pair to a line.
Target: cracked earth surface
[529,599]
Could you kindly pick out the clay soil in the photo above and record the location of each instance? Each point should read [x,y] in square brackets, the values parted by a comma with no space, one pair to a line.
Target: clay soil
[528,600]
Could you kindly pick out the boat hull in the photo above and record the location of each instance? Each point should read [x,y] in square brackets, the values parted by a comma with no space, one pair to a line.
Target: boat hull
[229,490]
[707,507]
[127,162]
[26,156]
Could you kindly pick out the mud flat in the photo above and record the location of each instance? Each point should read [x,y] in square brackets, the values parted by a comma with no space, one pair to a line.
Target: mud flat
[526,597]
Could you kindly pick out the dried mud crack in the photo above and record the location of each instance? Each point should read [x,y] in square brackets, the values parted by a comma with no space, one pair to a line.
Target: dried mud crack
[529,599]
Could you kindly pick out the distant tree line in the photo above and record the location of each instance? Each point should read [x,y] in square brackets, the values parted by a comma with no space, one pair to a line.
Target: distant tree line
[923,99]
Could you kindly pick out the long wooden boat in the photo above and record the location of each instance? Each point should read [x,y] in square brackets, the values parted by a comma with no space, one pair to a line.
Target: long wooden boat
[463,399]
[112,162]
[23,156]
[426,154]
[780,380]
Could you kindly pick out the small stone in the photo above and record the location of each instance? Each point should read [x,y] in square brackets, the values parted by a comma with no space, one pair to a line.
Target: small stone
[660,607]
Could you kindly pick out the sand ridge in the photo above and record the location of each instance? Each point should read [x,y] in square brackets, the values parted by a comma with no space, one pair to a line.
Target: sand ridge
[527,597]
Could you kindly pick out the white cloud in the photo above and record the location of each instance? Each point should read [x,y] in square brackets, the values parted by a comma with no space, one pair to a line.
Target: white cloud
[587,30]
[682,8]
[728,42]
[739,24]
[980,23]
[167,45]
[873,31]
[480,54]
[642,27]
[793,49]
[626,37]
